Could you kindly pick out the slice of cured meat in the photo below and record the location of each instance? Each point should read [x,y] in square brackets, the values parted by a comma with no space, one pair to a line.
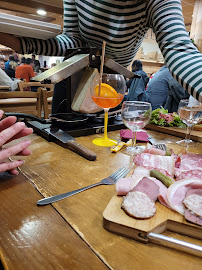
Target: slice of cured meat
[192,218]
[190,167]
[189,215]
[138,205]
[155,151]
[124,185]
[177,192]
[193,203]
[148,187]
[162,197]
[188,174]
[164,164]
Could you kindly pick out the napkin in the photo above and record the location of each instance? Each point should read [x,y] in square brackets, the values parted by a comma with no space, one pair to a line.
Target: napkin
[126,134]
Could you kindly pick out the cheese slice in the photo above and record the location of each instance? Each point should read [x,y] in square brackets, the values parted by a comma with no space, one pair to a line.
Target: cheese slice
[119,146]
[82,101]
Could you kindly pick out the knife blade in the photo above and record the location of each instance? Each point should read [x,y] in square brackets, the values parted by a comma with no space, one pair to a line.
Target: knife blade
[71,143]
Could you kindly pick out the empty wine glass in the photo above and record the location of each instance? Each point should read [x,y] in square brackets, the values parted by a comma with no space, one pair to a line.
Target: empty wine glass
[108,95]
[135,116]
[190,114]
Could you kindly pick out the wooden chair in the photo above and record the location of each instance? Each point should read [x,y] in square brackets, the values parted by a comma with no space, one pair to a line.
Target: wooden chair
[26,86]
[46,101]
[24,102]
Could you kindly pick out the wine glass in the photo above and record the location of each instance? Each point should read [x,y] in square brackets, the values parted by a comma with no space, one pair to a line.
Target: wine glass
[135,116]
[108,95]
[191,114]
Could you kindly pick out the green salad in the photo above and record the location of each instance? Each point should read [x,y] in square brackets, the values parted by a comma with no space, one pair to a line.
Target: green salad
[162,117]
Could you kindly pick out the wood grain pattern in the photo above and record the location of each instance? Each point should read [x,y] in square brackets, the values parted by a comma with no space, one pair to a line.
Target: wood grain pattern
[175,131]
[116,220]
[34,237]
[53,170]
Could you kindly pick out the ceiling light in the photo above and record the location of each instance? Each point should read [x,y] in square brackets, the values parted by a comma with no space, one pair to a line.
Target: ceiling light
[41,12]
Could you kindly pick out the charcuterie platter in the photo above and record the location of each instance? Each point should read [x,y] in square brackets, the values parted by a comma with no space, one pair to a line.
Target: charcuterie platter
[163,193]
[115,220]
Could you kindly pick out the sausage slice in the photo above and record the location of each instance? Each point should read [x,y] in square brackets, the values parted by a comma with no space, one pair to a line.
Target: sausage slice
[138,205]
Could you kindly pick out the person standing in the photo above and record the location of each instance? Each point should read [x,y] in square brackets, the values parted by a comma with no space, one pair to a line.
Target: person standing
[123,25]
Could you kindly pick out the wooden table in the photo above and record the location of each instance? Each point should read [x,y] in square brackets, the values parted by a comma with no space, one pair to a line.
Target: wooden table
[69,234]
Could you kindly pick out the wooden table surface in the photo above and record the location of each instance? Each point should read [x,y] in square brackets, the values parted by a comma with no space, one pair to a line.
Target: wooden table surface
[69,234]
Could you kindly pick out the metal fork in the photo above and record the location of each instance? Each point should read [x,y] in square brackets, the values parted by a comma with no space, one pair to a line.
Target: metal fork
[110,180]
[161,146]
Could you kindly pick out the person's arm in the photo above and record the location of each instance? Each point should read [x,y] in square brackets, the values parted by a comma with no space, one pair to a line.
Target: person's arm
[10,41]
[9,131]
[70,38]
[181,56]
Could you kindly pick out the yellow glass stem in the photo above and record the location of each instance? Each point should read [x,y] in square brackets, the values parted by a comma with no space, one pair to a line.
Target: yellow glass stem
[105,124]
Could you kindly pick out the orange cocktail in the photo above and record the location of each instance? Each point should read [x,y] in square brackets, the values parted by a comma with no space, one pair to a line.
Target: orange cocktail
[107,92]
[107,97]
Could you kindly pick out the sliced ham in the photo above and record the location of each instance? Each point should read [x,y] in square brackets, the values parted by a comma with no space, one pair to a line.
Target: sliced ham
[194,191]
[124,185]
[138,205]
[164,164]
[138,174]
[155,151]
[148,187]
[162,197]
[190,167]
[177,192]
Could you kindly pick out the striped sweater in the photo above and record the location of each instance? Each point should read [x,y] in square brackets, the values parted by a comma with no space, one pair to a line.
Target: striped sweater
[123,25]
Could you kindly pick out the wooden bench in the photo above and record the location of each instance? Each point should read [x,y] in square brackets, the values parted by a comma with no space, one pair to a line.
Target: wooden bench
[23,102]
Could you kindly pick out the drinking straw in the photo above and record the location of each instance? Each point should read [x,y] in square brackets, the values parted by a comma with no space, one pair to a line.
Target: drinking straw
[101,66]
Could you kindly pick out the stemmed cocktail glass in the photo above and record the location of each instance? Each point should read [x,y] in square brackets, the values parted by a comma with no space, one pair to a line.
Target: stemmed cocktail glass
[135,116]
[107,94]
[191,114]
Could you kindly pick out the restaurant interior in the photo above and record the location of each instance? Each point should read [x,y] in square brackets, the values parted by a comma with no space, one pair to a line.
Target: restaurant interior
[66,207]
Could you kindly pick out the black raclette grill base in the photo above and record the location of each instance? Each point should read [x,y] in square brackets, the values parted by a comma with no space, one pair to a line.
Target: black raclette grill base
[89,129]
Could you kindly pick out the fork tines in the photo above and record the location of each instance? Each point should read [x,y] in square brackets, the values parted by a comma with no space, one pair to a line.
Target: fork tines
[161,146]
[120,173]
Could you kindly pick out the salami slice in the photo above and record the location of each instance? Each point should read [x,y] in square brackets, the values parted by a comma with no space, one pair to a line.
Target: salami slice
[193,203]
[138,205]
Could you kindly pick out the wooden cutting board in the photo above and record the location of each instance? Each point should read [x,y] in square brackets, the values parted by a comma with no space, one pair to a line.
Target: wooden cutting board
[117,221]
[196,135]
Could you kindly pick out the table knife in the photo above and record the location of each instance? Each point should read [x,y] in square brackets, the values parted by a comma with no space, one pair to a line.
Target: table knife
[71,143]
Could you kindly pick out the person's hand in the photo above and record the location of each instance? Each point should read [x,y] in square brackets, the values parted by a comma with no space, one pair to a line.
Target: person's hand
[10,130]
